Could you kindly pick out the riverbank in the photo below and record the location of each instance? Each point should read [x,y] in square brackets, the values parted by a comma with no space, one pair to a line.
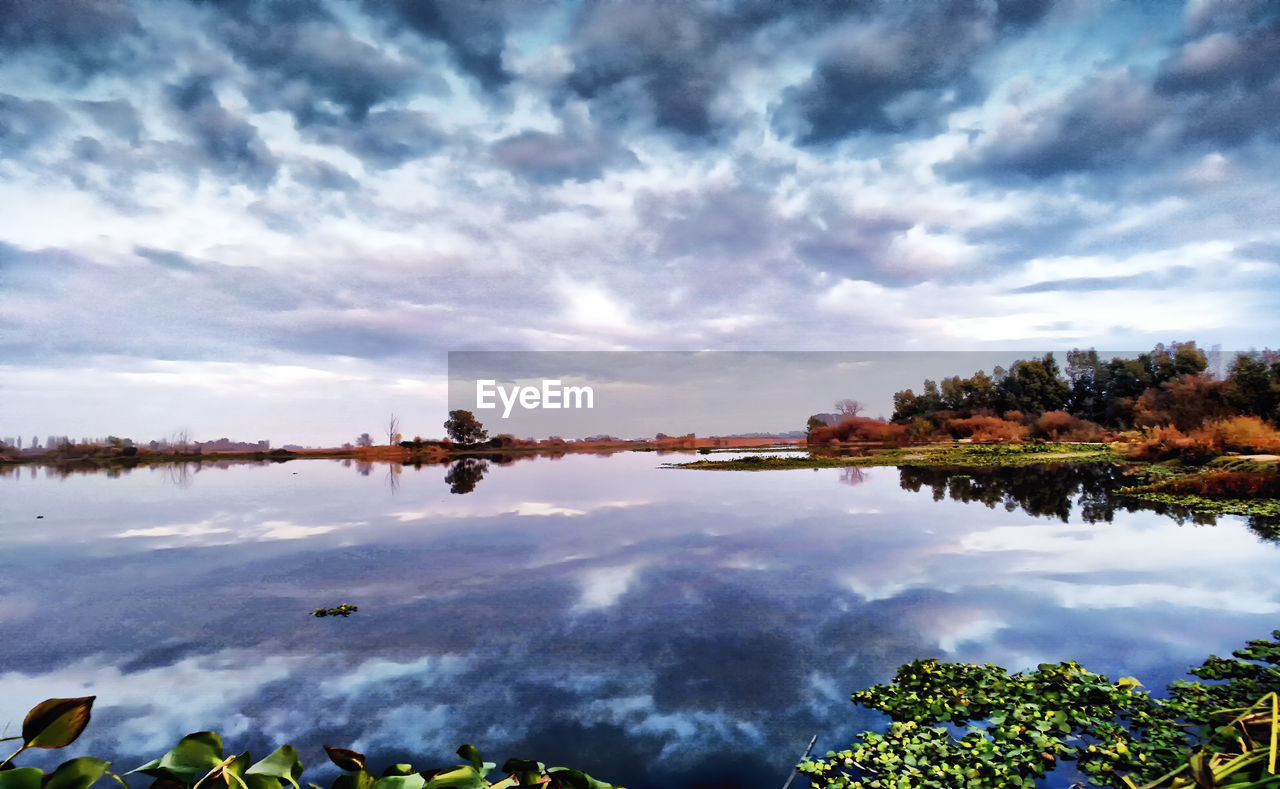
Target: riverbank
[107,457]
[950,454]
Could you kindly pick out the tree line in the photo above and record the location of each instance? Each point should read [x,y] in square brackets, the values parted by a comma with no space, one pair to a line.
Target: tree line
[1170,385]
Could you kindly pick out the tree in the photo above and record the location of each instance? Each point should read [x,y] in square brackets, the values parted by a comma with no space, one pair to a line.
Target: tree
[463,428]
[848,407]
[815,423]
[365,440]
[1034,387]
[393,430]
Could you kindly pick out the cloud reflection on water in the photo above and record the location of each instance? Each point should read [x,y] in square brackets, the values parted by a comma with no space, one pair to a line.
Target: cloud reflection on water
[653,626]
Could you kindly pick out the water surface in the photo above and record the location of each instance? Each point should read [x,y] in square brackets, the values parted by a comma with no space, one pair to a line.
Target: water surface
[655,627]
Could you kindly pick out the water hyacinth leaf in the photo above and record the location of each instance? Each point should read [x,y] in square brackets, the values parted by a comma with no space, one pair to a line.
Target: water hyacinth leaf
[464,776]
[413,781]
[522,766]
[283,763]
[78,773]
[21,778]
[193,756]
[568,778]
[56,723]
[360,779]
[472,754]
[345,758]
[403,768]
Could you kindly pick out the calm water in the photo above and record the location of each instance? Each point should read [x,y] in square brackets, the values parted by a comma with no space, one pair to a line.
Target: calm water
[655,627]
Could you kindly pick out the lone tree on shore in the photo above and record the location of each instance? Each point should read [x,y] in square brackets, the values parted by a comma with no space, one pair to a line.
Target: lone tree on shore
[393,430]
[463,427]
[848,407]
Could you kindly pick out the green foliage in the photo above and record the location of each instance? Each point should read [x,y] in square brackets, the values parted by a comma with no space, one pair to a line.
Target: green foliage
[464,428]
[198,762]
[346,609]
[1021,726]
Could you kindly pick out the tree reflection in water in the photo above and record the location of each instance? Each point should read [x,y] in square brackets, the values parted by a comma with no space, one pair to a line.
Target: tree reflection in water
[465,473]
[1054,490]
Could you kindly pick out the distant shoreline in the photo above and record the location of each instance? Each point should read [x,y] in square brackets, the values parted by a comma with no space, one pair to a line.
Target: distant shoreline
[429,452]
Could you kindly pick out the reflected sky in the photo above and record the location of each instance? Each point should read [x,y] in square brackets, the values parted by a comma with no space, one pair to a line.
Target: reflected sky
[653,626]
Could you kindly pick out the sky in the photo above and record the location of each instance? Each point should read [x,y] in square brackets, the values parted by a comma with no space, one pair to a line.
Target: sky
[267,219]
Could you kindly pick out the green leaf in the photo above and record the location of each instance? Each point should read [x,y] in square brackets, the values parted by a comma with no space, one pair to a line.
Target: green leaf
[21,778]
[464,776]
[56,723]
[413,781]
[522,766]
[78,773]
[346,759]
[360,779]
[472,754]
[283,763]
[193,756]
[403,768]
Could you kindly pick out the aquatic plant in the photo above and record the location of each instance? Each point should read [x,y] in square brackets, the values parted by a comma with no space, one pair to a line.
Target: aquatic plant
[346,609]
[197,762]
[1018,727]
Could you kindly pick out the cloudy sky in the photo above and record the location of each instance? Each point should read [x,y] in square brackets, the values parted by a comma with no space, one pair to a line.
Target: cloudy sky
[273,219]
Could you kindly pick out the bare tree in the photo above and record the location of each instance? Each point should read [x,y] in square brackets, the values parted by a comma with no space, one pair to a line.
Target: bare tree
[393,430]
[848,407]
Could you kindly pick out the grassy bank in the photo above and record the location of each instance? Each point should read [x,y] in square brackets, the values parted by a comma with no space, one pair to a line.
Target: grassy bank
[963,455]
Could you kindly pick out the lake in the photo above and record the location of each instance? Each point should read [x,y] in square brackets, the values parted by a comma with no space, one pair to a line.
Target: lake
[655,627]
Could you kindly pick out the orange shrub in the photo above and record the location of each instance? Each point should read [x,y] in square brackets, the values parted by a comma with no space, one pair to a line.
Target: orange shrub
[1165,442]
[822,435]
[1052,424]
[1061,426]
[986,428]
[1245,434]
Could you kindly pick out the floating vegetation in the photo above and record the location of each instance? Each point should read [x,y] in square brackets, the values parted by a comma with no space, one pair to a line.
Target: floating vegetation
[345,609]
[1018,727]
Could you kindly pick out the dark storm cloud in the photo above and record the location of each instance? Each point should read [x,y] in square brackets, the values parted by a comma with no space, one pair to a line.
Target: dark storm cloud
[1218,88]
[384,139]
[79,34]
[24,124]
[554,158]
[473,32]
[904,68]
[305,65]
[667,62]
[1103,123]
[226,141]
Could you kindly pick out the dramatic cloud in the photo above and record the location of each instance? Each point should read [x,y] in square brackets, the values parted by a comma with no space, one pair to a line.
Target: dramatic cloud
[265,182]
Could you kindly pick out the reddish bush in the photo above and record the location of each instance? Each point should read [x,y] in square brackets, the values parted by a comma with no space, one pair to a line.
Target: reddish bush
[822,435]
[1061,426]
[986,429]
[860,428]
[1166,442]
[1053,424]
